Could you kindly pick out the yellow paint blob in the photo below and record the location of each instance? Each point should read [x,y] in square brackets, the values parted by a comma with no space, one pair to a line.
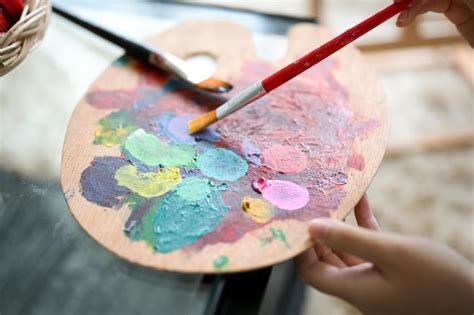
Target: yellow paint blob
[257,209]
[148,184]
[110,137]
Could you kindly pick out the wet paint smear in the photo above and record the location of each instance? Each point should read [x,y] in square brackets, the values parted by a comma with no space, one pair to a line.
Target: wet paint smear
[152,184]
[180,222]
[283,194]
[221,262]
[114,128]
[222,164]
[257,209]
[98,183]
[284,159]
[150,150]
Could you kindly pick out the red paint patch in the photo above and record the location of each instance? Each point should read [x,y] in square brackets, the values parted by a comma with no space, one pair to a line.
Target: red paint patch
[284,159]
[356,162]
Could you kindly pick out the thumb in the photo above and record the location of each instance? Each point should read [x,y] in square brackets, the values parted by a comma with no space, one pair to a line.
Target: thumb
[363,243]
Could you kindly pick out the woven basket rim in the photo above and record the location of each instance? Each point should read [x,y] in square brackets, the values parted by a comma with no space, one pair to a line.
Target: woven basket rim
[24,35]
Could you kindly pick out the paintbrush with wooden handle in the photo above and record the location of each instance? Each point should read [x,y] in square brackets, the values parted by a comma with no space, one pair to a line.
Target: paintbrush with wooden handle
[151,55]
[287,73]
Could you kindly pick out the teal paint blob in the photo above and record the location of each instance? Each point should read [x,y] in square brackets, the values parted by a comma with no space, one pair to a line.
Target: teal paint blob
[182,217]
[194,189]
[152,151]
[222,164]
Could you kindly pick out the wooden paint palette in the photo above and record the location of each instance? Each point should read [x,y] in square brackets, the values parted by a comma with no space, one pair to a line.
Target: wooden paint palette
[238,196]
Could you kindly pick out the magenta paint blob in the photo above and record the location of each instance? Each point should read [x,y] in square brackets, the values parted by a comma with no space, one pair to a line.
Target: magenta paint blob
[283,194]
[284,159]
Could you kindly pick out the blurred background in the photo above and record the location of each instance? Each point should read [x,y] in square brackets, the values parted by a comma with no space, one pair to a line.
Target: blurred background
[425,185]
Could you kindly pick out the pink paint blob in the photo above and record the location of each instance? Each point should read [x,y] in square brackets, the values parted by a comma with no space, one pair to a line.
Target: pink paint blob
[284,159]
[283,194]
[356,162]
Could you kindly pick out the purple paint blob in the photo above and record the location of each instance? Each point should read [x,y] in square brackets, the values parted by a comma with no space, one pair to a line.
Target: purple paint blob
[178,128]
[98,183]
[283,194]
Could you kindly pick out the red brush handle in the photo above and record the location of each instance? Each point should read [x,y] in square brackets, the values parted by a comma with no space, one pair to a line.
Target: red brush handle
[315,56]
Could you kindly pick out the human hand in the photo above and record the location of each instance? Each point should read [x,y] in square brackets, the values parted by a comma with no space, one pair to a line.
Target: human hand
[383,273]
[459,12]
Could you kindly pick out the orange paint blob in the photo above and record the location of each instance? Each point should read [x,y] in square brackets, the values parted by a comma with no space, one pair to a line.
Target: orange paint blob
[257,209]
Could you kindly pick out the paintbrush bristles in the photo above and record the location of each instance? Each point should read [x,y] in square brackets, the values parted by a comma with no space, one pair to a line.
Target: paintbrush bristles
[198,124]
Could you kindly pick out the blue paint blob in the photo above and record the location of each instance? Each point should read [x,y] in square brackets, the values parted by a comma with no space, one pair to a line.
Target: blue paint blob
[98,183]
[194,209]
[222,164]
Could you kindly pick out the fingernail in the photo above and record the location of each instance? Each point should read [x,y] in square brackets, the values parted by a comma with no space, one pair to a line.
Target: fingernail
[318,228]
[402,17]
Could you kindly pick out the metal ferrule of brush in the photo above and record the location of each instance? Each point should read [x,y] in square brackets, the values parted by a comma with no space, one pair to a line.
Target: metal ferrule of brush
[169,63]
[248,95]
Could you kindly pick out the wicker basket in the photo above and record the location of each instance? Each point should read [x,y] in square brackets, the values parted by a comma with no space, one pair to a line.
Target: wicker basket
[23,37]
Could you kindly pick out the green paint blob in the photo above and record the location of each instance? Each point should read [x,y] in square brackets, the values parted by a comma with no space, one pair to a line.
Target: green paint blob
[133,201]
[148,184]
[276,234]
[114,128]
[152,151]
[182,221]
[221,262]
[279,234]
[222,164]
[180,155]
[144,230]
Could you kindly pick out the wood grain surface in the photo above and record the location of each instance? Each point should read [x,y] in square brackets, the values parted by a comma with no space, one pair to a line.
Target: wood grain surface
[233,48]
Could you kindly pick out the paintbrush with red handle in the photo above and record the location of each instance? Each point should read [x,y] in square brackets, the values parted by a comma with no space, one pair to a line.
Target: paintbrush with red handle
[287,73]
